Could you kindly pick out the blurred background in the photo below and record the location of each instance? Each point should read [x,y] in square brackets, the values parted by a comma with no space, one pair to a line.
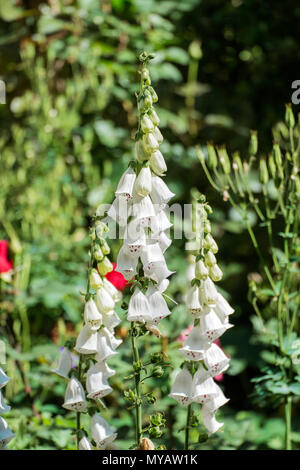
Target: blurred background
[221,69]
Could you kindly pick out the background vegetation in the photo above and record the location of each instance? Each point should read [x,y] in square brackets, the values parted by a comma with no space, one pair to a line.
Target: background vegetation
[70,68]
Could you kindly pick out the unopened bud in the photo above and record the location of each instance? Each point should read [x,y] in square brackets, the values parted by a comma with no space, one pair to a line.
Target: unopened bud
[145,444]
[263,172]
[289,115]
[95,279]
[105,266]
[224,160]
[212,156]
[272,166]
[146,124]
[153,94]
[253,143]
[153,116]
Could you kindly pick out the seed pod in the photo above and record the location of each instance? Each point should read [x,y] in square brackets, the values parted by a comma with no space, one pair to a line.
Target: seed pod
[224,160]
[253,143]
[272,166]
[263,172]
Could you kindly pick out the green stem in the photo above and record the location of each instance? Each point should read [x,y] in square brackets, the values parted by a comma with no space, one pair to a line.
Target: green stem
[187,427]
[137,378]
[288,418]
[78,412]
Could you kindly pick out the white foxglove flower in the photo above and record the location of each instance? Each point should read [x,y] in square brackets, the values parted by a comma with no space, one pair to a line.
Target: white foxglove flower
[75,396]
[150,143]
[203,386]
[195,346]
[92,317]
[158,135]
[95,280]
[193,302]
[146,124]
[6,433]
[209,420]
[215,360]
[215,273]
[154,263]
[127,263]
[201,271]
[111,320]
[143,210]
[138,308]
[164,242]
[143,183]
[210,244]
[85,444]
[4,379]
[134,237]
[157,163]
[64,364]
[182,389]
[102,433]
[160,223]
[211,326]
[126,183]
[210,258]
[96,382]
[113,342]
[104,348]
[119,210]
[87,341]
[163,285]
[208,292]
[216,401]
[222,308]
[104,301]
[160,193]
[115,294]
[4,408]
[158,306]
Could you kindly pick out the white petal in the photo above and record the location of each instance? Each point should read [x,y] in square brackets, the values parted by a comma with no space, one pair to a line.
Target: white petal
[203,386]
[216,401]
[209,420]
[96,382]
[127,263]
[222,307]
[208,292]
[115,294]
[158,306]
[84,444]
[143,210]
[102,433]
[160,193]
[6,433]
[195,346]
[111,320]
[119,210]
[215,360]
[75,396]
[182,387]
[92,317]
[193,302]
[143,183]
[211,326]
[86,341]
[64,364]
[126,183]
[138,308]
[104,348]
[104,301]
[157,163]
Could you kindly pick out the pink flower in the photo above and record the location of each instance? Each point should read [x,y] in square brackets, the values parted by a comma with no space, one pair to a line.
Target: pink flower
[5,264]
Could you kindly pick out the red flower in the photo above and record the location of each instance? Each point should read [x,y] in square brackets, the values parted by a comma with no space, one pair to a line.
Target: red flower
[117,279]
[5,264]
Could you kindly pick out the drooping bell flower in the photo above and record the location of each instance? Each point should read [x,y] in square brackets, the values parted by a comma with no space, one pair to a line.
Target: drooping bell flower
[92,317]
[204,386]
[182,389]
[104,348]
[64,364]
[4,408]
[4,379]
[160,193]
[85,444]
[96,382]
[222,308]
[102,433]
[211,326]
[143,210]
[126,183]
[127,263]
[6,433]
[157,305]
[104,301]
[116,279]
[112,290]
[5,264]
[157,163]
[111,320]
[75,396]
[193,302]
[208,292]
[215,360]
[143,182]
[95,280]
[87,341]
[209,419]
[113,342]
[138,308]
[104,266]
[195,346]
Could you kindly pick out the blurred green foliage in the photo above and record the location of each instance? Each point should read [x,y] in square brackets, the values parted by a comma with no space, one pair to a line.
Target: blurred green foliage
[221,68]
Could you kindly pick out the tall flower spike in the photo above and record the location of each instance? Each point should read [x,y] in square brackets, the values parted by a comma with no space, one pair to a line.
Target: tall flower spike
[210,312]
[141,257]
[89,381]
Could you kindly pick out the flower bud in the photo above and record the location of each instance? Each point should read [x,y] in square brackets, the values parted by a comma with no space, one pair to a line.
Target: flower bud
[210,259]
[201,271]
[145,77]
[253,143]
[158,135]
[210,244]
[153,94]
[154,117]
[212,156]
[289,116]
[215,273]
[98,254]
[104,247]
[157,163]
[155,432]
[95,279]
[224,160]
[146,124]
[278,160]
[158,372]
[141,155]
[263,172]
[272,166]
[105,266]
[150,143]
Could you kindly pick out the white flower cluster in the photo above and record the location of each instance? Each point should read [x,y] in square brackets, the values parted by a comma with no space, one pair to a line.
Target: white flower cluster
[140,207]
[211,313]
[95,338]
[6,433]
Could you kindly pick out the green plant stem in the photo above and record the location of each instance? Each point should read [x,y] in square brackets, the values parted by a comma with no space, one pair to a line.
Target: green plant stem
[187,428]
[78,412]
[137,378]
[288,418]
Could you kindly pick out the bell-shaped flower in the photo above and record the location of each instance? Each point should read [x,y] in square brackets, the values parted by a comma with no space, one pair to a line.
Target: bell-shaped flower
[104,301]
[160,223]
[222,308]
[215,273]
[95,280]
[105,266]
[210,244]
[127,263]
[113,342]
[4,379]
[141,155]
[163,285]
[211,326]
[64,364]
[158,306]
[143,182]
[164,242]
[85,444]
[96,382]
[111,320]
[115,294]
[119,210]
[215,360]
[216,401]
[209,419]
[158,135]
[195,346]
[134,237]
[139,308]
[92,317]
[193,302]
[201,271]
[157,163]
[75,396]
[102,433]
[143,210]
[146,124]
[104,349]
[87,341]
[210,258]
[208,292]
[154,263]
[150,143]
[160,193]
[126,183]
[182,389]
[204,386]
[6,433]
[4,408]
